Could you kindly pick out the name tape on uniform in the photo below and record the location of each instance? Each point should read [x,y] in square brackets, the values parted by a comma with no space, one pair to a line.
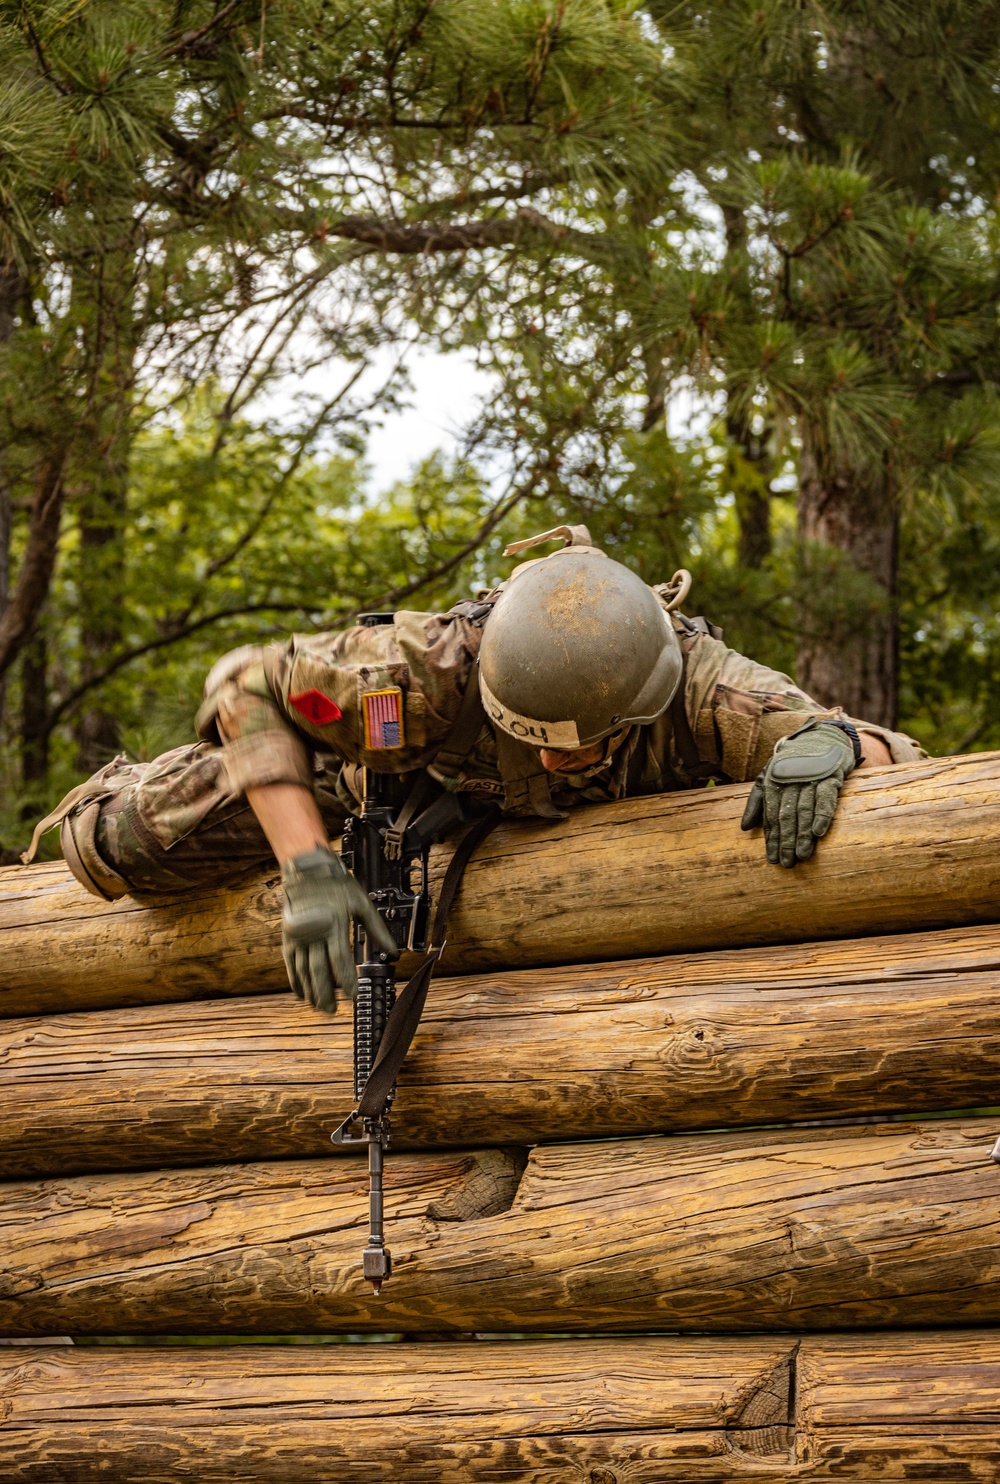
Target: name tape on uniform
[383,713]
[560,735]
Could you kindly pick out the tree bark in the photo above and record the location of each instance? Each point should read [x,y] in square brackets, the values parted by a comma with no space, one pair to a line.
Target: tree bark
[644,1411]
[37,564]
[879,1025]
[102,575]
[914,847]
[896,1225]
[11,288]
[753,501]
[849,652]
[104,302]
[34,724]
[753,510]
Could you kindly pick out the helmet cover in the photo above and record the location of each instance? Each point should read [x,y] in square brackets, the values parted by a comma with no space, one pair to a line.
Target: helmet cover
[576,648]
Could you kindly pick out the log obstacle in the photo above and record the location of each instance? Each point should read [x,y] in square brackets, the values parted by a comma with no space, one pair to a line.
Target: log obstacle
[914,846]
[753,1036]
[892,1225]
[657,1411]
[164,1123]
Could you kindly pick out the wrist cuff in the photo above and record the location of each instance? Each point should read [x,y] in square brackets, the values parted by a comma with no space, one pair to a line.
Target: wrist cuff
[852,732]
[267,757]
[321,859]
[814,723]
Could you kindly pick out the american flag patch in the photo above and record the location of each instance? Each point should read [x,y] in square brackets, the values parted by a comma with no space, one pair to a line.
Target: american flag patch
[383,719]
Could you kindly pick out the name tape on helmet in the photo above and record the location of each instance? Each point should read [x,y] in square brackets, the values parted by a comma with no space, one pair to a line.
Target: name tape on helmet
[560,735]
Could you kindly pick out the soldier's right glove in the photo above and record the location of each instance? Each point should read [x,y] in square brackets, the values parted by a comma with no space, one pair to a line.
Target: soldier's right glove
[796,795]
[322,900]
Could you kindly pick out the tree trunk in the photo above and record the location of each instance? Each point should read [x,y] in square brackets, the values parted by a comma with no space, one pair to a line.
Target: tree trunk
[751,472]
[6,533]
[11,287]
[34,576]
[876,1025]
[895,1226]
[848,650]
[103,298]
[916,846]
[21,602]
[102,576]
[34,724]
[694,1410]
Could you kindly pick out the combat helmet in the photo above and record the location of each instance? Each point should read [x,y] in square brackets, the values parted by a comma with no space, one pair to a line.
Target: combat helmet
[578,646]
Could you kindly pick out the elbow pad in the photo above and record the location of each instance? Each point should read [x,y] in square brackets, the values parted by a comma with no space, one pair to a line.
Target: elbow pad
[219,676]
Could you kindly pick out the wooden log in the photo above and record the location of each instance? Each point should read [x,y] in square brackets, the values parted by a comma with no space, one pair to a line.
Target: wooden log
[877,1226]
[644,1411]
[914,846]
[751,1036]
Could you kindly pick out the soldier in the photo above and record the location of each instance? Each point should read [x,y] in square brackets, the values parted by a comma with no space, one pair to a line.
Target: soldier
[571,683]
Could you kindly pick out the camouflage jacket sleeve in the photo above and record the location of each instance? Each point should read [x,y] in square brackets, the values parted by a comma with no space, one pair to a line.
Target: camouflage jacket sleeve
[384,697]
[739,709]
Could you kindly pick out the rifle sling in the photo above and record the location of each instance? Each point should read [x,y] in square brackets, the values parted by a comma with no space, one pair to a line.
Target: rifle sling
[464,733]
[687,747]
[405,1015]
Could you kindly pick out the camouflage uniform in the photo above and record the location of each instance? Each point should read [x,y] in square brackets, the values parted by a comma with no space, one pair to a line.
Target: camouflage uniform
[296,713]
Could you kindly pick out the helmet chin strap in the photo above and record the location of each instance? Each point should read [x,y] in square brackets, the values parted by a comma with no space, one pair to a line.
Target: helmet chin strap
[611,746]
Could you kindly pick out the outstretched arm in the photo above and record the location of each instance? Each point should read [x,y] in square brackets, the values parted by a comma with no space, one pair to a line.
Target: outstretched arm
[289,817]
[874,752]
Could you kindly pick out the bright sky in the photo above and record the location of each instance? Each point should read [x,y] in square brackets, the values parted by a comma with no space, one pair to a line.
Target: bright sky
[446,390]
[444,396]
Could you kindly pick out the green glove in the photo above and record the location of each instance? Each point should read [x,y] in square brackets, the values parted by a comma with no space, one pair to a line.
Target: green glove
[796,795]
[322,899]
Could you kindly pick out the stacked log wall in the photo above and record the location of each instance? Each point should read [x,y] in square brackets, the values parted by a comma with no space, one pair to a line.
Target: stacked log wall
[891,1408]
[756,1036]
[164,1132]
[915,846]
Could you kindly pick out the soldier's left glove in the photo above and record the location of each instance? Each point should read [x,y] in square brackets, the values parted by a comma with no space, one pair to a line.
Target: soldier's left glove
[796,795]
[322,899]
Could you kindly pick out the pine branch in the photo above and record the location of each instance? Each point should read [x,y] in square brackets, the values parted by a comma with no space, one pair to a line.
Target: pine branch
[190,39]
[414,238]
[426,237]
[42,59]
[71,700]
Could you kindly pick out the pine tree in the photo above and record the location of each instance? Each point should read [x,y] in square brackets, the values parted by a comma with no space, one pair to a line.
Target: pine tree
[789,208]
[844,159]
[179,180]
[857,144]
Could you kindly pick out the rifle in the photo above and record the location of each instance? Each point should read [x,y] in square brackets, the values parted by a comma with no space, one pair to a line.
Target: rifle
[387,848]
[405,913]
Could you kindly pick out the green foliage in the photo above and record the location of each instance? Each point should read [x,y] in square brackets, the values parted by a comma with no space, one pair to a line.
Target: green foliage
[238,544]
[784,212]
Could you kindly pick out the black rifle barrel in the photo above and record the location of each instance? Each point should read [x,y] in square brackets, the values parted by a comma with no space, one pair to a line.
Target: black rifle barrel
[375,998]
[386,875]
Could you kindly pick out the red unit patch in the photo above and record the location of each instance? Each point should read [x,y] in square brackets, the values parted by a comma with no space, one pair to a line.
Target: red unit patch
[315,707]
